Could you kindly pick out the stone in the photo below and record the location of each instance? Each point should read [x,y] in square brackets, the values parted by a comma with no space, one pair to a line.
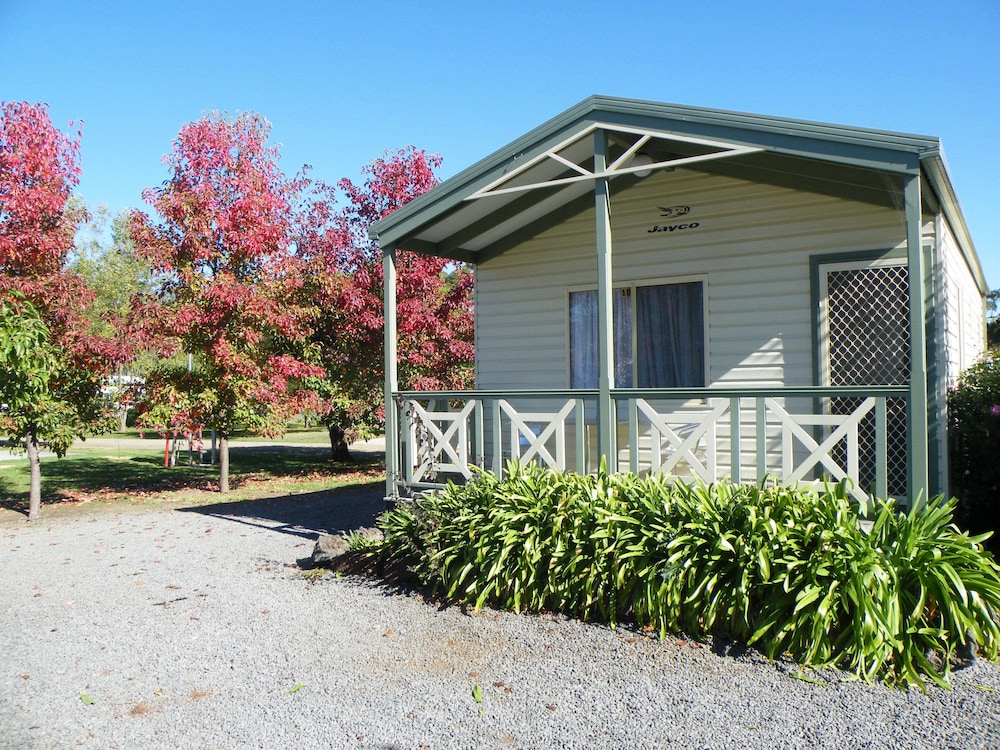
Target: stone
[328,548]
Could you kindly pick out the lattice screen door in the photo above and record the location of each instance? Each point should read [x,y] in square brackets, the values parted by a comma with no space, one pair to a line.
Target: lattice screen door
[866,341]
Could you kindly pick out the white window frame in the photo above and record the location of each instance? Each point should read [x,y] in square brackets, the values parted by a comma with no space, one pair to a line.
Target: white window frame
[633,285]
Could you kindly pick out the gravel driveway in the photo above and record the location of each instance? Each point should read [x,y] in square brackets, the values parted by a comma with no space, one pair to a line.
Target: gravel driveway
[195,628]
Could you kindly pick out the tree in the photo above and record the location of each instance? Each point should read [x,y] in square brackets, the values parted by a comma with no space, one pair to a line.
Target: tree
[107,260]
[53,396]
[434,299]
[232,286]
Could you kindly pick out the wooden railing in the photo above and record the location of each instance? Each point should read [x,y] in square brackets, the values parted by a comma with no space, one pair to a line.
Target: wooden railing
[785,435]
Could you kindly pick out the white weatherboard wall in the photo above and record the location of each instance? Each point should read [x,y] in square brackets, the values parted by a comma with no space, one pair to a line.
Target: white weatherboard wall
[753,245]
[962,310]
[960,332]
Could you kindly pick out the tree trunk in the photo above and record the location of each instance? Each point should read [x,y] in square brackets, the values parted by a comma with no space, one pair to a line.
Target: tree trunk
[123,419]
[223,463]
[35,491]
[338,443]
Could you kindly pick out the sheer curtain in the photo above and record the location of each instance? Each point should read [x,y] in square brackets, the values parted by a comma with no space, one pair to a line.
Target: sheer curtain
[583,344]
[583,339]
[670,349]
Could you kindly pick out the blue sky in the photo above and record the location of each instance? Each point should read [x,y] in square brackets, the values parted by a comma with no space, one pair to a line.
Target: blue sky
[343,81]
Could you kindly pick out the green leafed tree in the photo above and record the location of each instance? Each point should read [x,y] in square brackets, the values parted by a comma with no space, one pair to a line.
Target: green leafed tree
[52,394]
[105,256]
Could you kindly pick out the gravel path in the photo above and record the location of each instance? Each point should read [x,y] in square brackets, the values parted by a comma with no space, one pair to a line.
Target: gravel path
[195,628]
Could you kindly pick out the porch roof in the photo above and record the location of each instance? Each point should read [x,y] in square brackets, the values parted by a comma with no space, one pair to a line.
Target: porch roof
[547,175]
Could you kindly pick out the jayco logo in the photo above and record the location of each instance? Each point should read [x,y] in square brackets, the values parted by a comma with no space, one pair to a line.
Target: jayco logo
[674,212]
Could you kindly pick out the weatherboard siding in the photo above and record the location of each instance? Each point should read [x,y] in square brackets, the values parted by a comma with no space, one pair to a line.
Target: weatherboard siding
[752,245]
[958,336]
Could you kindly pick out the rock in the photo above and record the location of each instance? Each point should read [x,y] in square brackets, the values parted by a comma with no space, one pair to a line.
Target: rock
[328,548]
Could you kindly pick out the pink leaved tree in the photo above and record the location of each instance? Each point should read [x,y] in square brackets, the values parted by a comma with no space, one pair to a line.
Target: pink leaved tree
[233,294]
[52,363]
[435,324]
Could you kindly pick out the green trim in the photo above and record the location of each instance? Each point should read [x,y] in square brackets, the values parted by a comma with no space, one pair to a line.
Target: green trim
[918,448]
[606,418]
[838,149]
[937,483]
[392,462]
[668,393]
[878,149]
[492,219]
[434,249]
[450,195]
[815,262]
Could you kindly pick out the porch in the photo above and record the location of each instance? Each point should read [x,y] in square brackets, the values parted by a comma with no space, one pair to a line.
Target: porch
[701,293]
[790,436]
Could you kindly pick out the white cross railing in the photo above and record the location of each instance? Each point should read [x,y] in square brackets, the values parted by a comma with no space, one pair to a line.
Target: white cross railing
[709,434]
[438,441]
[530,433]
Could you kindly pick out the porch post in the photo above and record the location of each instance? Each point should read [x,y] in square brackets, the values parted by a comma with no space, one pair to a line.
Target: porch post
[918,433]
[391,375]
[606,427]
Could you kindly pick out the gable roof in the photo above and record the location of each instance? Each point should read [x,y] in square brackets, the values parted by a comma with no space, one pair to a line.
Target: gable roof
[547,174]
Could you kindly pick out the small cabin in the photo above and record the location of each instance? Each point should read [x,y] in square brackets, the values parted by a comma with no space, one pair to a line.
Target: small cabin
[708,294]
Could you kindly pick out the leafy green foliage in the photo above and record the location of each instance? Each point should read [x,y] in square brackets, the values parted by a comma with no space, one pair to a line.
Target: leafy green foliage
[53,395]
[790,571]
[974,439]
[25,354]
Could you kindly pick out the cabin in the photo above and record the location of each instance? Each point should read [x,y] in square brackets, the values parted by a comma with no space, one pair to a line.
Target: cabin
[708,294]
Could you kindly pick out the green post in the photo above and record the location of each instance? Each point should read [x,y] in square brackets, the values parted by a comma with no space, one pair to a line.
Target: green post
[606,426]
[735,450]
[391,377]
[918,437]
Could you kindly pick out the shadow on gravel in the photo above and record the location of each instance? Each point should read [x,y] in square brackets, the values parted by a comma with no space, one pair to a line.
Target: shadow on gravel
[305,515]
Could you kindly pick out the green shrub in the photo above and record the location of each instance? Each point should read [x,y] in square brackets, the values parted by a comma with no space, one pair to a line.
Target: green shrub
[974,440]
[787,570]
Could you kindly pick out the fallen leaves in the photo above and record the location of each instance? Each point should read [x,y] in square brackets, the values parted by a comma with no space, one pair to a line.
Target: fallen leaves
[142,708]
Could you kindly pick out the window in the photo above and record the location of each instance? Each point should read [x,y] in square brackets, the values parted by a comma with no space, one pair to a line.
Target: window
[659,336]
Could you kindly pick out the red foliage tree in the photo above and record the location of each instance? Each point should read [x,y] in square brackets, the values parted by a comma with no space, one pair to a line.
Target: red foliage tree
[434,299]
[232,290]
[38,171]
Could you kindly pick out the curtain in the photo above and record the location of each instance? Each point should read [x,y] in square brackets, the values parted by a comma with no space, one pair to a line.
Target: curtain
[583,339]
[670,340]
[670,348]
[583,343]
[623,338]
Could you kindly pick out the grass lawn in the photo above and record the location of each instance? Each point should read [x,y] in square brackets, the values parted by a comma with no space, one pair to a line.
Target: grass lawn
[296,433]
[127,475]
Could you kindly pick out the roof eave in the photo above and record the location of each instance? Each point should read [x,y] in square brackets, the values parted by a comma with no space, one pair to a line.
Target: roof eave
[936,169]
[901,153]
